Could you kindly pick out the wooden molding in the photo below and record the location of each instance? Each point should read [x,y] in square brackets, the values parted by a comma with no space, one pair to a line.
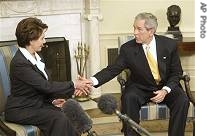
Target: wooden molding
[187,46]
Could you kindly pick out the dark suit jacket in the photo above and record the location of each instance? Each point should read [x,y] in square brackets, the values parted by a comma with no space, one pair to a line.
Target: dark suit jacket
[132,57]
[30,90]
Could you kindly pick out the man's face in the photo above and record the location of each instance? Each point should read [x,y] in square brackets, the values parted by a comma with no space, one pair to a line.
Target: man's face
[142,34]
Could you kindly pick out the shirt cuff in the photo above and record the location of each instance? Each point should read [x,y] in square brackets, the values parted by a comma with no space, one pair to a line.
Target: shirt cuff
[167,89]
[94,80]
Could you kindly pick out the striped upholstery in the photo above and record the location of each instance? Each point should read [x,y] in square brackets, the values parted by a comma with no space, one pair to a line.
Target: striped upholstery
[6,54]
[152,111]
[24,130]
[7,51]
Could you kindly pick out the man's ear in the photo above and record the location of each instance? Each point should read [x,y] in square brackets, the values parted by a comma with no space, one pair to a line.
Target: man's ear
[152,31]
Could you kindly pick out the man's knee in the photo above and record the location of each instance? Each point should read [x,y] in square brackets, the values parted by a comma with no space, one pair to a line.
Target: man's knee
[184,100]
[130,96]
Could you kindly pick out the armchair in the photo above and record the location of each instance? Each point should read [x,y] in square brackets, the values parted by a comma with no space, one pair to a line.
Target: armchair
[152,111]
[7,51]
[58,64]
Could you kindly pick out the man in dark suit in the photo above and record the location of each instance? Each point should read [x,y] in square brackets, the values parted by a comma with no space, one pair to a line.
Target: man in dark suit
[156,81]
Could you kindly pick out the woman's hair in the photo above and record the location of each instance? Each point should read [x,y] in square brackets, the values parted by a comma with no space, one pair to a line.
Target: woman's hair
[150,20]
[29,29]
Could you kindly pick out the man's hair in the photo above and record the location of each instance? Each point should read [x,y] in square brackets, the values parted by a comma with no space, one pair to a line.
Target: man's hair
[29,29]
[150,20]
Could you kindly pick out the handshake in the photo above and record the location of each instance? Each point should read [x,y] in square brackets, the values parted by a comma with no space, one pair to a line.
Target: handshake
[82,86]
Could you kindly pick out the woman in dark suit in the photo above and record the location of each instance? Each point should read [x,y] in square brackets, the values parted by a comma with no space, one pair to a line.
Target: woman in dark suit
[156,80]
[34,99]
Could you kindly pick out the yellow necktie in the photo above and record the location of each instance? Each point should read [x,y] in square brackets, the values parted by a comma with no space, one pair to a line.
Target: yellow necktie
[153,65]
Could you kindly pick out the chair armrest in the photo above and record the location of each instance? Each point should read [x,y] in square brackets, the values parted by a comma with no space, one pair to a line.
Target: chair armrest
[6,129]
[186,78]
[122,78]
[121,81]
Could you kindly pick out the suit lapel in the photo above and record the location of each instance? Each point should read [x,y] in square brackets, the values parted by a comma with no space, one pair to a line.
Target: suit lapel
[161,57]
[142,63]
[33,66]
[37,70]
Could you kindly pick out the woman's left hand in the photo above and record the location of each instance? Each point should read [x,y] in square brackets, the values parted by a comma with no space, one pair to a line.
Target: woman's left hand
[58,102]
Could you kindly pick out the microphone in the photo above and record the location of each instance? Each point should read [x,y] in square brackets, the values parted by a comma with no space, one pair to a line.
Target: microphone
[80,120]
[108,105]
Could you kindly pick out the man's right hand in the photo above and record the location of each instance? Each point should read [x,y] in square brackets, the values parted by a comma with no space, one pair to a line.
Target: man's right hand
[82,86]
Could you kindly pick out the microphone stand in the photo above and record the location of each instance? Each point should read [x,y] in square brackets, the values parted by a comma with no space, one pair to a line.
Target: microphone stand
[133,124]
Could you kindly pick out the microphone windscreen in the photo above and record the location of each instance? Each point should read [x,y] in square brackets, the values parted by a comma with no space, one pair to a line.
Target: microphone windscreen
[107,104]
[80,120]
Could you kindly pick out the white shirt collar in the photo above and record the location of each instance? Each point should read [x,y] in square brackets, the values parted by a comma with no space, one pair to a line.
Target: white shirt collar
[29,56]
[37,61]
[152,48]
[152,44]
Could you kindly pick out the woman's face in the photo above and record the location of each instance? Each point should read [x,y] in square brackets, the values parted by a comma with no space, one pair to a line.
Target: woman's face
[36,45]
